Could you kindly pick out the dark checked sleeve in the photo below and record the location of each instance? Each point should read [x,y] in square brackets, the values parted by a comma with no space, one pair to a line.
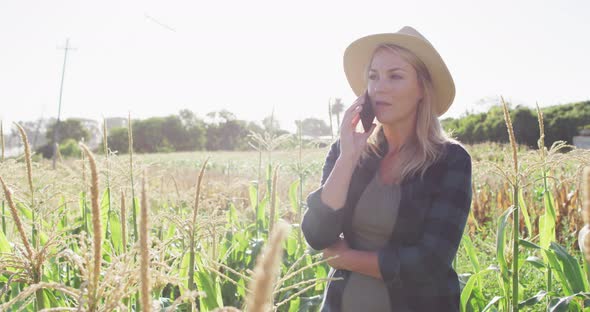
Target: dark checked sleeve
[430,259]
[322,225]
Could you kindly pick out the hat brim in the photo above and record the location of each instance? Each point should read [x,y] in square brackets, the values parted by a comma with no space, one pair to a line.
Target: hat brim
[358,55]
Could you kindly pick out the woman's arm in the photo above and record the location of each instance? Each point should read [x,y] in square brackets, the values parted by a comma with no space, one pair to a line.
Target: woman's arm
[322,222]
[364,262]
[335,190]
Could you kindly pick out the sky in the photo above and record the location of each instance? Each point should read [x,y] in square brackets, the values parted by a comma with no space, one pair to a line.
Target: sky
[154,58]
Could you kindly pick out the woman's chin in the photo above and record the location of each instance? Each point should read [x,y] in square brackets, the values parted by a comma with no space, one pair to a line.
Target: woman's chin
[386,119]
[394,117]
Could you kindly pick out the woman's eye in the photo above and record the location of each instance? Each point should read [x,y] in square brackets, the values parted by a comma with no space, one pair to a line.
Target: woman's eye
[372,77]
[395,77]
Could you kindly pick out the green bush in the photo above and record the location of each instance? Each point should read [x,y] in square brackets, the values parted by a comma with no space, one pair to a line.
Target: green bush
[562,123]
[70,148]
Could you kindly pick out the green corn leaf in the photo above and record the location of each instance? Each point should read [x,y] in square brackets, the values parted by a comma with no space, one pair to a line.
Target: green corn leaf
[135,225]
[469,288]
[501,242]
[170,232]
[292,244]
[491,304]
[15,289]
[4,244]
[116,234]
[107,250]
[294,305]
[184,266]
[63,222]
[104,211]
[241,289]
[3,218]
[320,272]
[528,244]
[525,213]
[207,283]
[547,222]
[262,208]
[536,262]
[293,197]
[232,215]
[532,300]
[26,211]
[571,269]
[470,249]
[557,269]
[252,194]
[50,272]
[51,300]
[566,304]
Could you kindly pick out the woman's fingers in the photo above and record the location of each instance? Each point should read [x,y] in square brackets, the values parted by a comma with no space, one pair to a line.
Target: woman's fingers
[349,122]
[355,103]
[355,119]
[352,107]
[351,112]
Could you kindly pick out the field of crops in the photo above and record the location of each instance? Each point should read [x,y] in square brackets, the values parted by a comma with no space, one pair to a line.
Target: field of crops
[183,232]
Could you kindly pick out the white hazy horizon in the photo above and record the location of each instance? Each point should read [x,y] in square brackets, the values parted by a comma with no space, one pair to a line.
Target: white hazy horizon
[153,58]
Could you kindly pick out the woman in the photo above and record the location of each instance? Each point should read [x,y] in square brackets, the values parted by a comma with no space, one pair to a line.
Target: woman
[393,201]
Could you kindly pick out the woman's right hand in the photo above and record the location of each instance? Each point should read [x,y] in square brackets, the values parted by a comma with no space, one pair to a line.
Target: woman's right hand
[352,143]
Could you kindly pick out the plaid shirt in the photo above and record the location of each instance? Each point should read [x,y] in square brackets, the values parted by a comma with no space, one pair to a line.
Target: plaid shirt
[416,263]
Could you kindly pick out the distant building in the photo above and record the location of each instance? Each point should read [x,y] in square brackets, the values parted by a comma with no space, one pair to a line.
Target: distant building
[94,129]
[116,122]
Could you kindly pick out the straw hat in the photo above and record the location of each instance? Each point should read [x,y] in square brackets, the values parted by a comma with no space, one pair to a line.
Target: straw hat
[358,55]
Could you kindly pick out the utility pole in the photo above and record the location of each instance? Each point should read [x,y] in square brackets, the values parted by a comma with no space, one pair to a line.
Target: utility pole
[61,87]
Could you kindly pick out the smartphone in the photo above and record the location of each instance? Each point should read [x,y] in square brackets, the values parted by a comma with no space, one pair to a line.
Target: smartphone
[367,114]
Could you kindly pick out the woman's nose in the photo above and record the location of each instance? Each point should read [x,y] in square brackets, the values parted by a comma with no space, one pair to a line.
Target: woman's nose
[379,86]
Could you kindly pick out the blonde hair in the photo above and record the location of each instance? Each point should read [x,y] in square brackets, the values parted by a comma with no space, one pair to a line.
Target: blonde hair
[425,146]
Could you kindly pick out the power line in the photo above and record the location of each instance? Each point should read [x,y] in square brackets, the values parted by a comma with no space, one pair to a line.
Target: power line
[61,87]
[159,23]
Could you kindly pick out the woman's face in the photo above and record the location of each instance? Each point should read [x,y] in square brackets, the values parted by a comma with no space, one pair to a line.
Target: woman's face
[393,87]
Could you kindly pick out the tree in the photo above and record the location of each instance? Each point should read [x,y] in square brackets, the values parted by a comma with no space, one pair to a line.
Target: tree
[187,117]
[226,115]
[313,127]
[68,129]
[254,127]
[118,140]
[175,133]
[230,135]
[149,136]
[195,129]
[225,132]
[273,126]
[71,130]
[270,124]
[526,126]
[337,108]
[562,122]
